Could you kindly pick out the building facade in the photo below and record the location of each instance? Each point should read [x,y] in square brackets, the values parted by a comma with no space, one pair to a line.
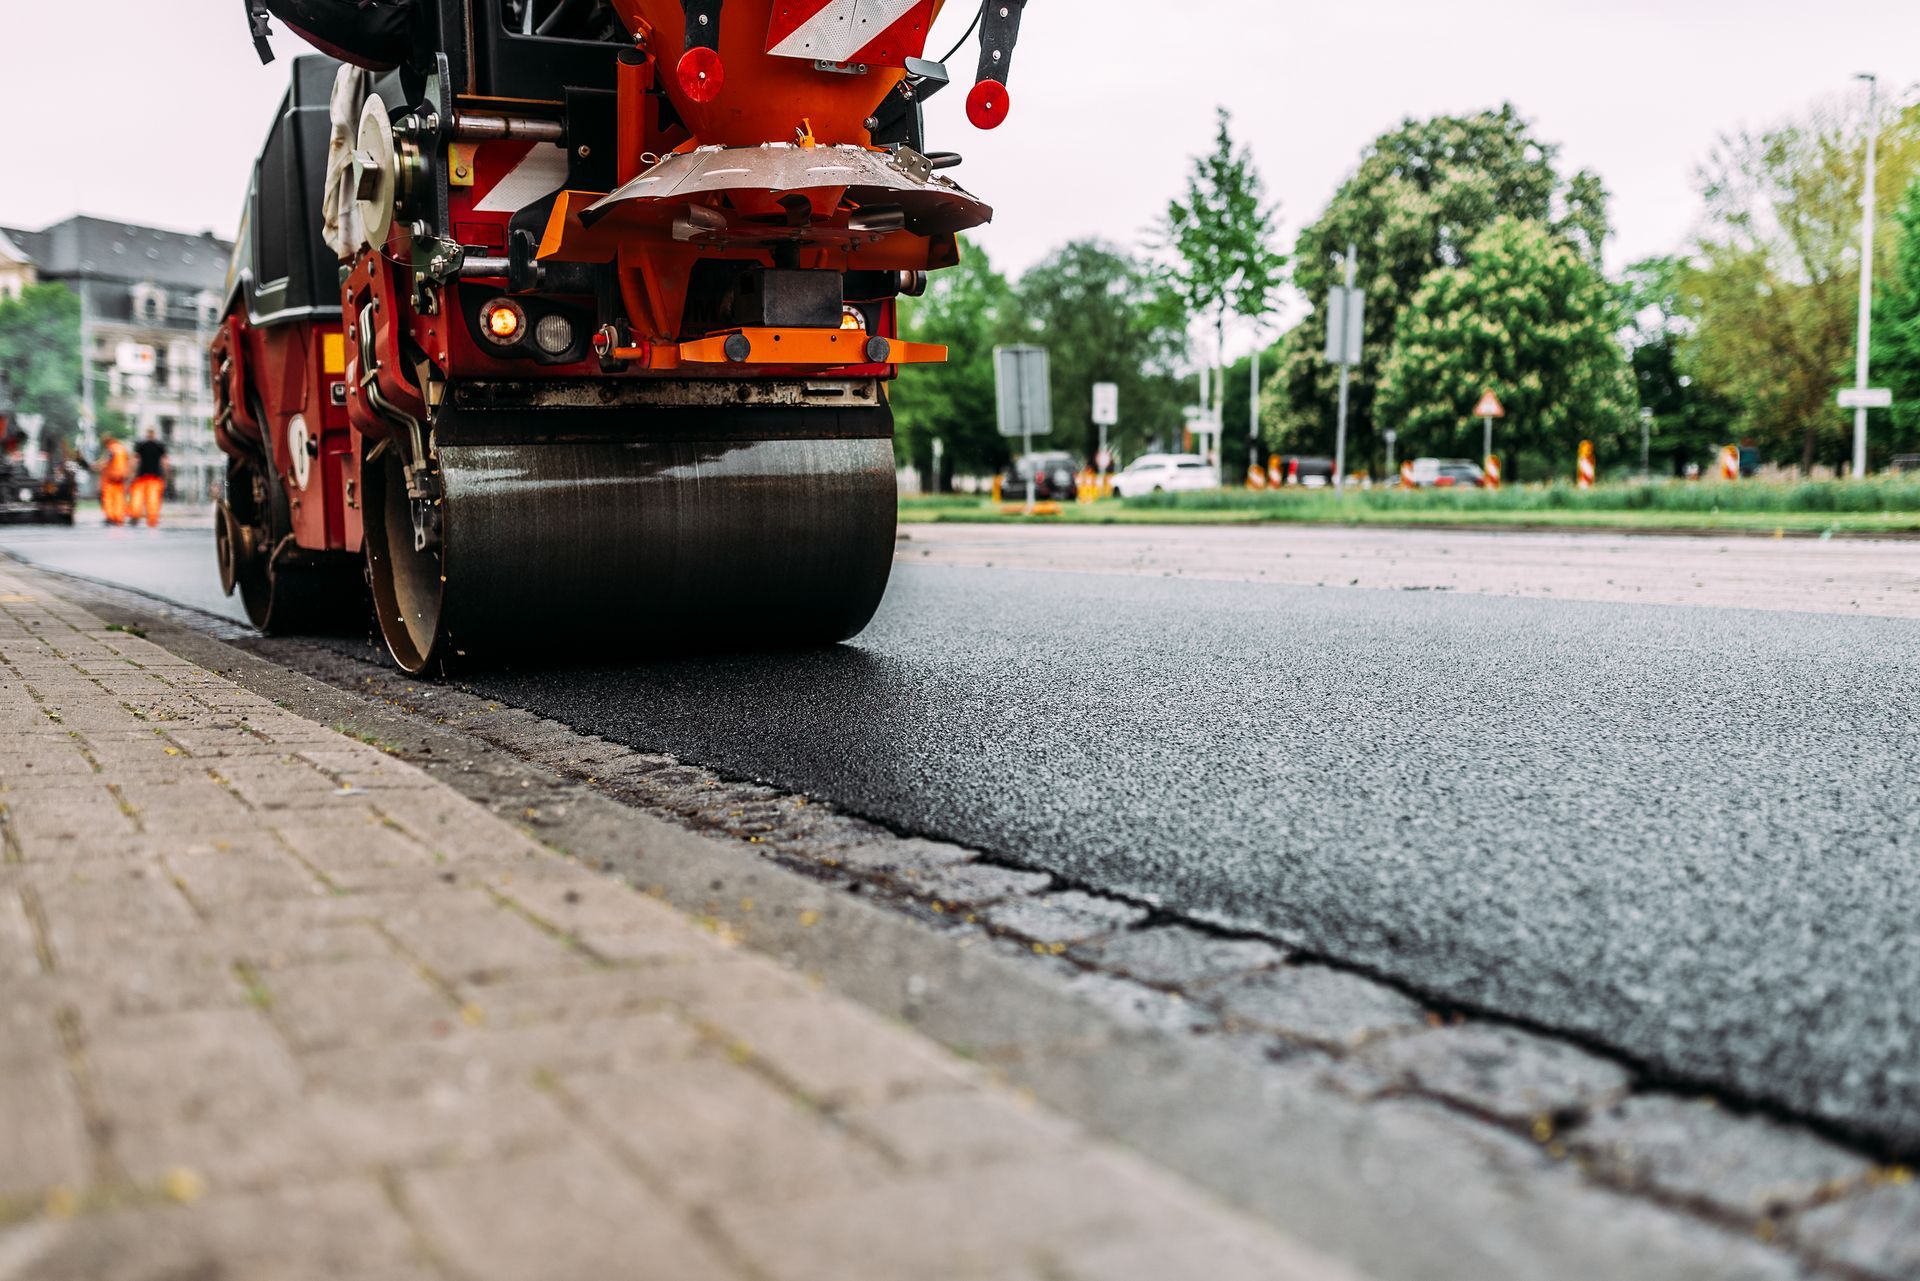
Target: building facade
[16,269]
[139,287]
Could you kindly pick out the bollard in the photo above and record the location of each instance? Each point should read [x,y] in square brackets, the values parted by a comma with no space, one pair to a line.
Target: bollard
[1585,472]
[1256,475]
[1730,463]
[1273,471]
[996,488]
[1406,475]
[1493,471]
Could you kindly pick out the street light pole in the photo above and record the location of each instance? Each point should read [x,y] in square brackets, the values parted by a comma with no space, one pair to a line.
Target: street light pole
[1866,275]
[1253,411]
[1346,374]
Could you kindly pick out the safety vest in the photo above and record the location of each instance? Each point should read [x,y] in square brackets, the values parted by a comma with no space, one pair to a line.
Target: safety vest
[119,463]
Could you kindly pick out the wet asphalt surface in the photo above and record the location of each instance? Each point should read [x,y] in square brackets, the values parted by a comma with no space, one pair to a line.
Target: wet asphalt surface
[1689,835]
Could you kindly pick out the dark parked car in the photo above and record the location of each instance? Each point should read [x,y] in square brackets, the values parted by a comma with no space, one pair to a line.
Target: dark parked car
[1304,471]
[1054,478]
[25,499]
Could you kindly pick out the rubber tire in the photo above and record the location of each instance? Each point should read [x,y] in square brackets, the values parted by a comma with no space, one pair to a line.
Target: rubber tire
[326,595]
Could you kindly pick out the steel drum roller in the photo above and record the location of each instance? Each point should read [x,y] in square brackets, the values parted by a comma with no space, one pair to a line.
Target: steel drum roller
[620,531]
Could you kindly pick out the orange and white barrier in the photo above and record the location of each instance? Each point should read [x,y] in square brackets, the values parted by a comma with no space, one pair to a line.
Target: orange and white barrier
[1584,476]
[1274,478]
[1256,475]
[1406,475]
[1493,471]
[1730,463]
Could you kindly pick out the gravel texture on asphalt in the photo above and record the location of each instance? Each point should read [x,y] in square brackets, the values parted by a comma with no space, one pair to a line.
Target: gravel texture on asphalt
[1688,835]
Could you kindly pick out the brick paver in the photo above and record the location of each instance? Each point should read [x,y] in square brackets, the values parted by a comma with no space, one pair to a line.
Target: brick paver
[276,1005]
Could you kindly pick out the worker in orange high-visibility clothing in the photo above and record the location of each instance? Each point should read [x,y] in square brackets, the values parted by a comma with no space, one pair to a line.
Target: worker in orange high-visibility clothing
[149,478]
[116,469]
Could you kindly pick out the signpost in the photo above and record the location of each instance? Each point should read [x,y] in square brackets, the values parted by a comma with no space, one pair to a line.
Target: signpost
[1486,411]
[1106,413]
[1346,327]
[1860,407]
[1025,393]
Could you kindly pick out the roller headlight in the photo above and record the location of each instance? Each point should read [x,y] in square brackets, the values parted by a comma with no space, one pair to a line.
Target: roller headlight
[554,334]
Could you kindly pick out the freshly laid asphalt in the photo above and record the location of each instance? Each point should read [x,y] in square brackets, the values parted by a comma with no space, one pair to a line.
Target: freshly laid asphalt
[1689,835]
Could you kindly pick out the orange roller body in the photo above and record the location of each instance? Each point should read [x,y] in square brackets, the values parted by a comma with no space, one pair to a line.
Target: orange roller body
[764,97]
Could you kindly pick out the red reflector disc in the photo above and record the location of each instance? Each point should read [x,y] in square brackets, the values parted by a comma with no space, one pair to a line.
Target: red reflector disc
[702,74]
[987,104]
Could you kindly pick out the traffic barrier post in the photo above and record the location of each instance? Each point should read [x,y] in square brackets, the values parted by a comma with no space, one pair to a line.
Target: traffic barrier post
[1586,471]
[1493,471]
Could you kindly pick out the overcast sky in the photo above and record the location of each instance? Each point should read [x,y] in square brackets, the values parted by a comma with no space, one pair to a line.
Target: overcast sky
[139,110]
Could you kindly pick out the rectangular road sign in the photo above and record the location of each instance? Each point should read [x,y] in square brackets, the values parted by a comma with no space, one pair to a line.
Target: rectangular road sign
[1106,404]
[1346,324]
[1871,398]
[135,358]
[1025,392]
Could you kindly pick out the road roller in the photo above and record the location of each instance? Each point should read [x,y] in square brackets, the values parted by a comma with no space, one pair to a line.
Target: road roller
[559,326]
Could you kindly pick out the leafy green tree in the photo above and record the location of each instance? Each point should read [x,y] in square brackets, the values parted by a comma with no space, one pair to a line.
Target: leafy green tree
[1896,335]
[1221,238]
[970,309]
[1421,195]
[1690,421]
[40,358]
[1530,316]
[1774,289]
[1103,316]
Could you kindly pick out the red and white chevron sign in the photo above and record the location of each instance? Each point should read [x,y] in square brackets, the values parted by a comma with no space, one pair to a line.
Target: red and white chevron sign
[877,32]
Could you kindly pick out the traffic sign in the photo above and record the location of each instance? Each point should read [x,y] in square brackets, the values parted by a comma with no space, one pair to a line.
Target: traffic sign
[1867,398]
[1106,404]
[1489,406]
[1346,325]
[1025,391]
[136,358]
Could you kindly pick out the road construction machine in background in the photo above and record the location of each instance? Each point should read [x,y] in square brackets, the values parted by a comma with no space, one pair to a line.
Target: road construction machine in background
[565,324]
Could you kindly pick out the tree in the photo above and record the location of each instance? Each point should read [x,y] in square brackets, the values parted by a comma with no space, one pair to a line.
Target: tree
[1221,238]
[1103,316]
[1530,316]
[969,308]
[40,358]
[1421,195]
[1690,420]
[1896,333]
[1774,288]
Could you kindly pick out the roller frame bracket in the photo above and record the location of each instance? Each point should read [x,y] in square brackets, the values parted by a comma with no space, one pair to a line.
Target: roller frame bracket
[703,25]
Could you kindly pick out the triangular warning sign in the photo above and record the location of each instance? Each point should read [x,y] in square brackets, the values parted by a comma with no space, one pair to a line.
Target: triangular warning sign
[1489,407]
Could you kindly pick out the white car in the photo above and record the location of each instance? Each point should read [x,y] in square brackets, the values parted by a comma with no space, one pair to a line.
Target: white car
[1165,473]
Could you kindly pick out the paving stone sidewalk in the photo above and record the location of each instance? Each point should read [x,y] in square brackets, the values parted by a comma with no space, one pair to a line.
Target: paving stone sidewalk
[274,1005]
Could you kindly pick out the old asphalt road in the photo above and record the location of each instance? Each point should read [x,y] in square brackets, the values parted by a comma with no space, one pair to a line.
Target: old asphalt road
[1687,834]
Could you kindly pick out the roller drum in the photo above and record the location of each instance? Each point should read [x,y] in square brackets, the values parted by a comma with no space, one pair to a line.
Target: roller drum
[612,532]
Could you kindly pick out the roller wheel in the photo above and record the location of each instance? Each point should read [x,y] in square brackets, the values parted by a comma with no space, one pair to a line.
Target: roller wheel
[283,591]
[560,537]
